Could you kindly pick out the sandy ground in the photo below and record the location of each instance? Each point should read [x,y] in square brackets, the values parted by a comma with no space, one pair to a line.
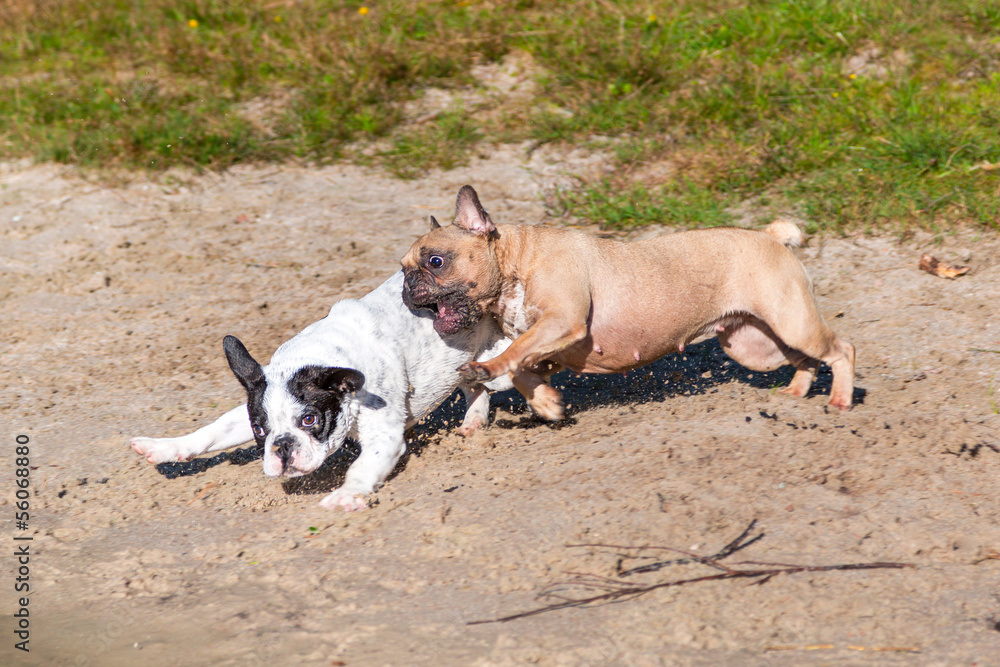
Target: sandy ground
[114,300]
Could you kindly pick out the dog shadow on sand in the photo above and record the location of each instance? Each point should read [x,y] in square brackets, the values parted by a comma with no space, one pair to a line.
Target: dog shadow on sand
[699,370]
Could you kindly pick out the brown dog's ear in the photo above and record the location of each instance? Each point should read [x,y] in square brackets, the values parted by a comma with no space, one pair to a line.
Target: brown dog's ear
[434,223]
[470,215]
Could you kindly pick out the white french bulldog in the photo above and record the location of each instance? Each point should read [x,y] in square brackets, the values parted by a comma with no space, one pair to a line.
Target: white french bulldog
[368,370]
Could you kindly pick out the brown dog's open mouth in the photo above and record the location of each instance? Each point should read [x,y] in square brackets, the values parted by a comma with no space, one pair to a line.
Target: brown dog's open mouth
[448,318]
[451,315]
[452,310]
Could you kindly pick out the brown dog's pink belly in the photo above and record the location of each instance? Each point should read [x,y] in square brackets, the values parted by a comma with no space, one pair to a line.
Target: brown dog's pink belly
[627,330]
[615,353]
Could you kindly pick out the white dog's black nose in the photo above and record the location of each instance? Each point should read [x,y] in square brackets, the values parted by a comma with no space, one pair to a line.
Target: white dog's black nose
[283,448]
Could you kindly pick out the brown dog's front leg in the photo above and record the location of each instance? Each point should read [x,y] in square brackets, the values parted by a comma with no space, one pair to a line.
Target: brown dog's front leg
[546,337]
[476,372]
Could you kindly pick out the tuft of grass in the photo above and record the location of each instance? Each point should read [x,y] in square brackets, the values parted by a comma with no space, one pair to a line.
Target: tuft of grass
[444,143]
[858,114]
[613,207]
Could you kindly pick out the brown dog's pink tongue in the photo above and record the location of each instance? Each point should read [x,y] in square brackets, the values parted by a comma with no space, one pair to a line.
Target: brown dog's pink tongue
[447,320]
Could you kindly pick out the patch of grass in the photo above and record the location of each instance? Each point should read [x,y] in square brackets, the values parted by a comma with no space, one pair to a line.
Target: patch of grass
[614,208]
[444,143]
[856,114]
[156,84]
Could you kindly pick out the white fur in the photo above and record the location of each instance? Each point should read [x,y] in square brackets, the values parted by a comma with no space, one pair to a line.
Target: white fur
[511,311]
[408,368]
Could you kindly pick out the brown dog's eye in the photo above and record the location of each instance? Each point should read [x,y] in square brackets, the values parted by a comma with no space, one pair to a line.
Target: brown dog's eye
[309,420]
[259,431]
[435,261]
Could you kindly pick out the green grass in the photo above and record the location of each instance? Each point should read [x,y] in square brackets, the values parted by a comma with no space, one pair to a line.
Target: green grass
[684,205]
[443,143]
[743,100]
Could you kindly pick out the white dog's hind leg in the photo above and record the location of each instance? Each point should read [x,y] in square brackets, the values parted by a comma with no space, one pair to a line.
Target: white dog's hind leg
[229,430]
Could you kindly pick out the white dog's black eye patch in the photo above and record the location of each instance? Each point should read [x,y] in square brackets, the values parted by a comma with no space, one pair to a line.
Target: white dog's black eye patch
[255,408]
[321,389]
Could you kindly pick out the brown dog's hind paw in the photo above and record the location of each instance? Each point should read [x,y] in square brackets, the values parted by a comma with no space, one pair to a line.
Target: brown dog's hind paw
[792,390]
[841,404]
[547,403]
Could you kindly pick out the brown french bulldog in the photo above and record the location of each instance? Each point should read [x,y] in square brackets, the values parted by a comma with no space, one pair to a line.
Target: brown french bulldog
[603,306]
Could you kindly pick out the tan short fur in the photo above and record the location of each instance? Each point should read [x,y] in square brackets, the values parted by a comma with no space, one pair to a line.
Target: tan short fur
[604,306]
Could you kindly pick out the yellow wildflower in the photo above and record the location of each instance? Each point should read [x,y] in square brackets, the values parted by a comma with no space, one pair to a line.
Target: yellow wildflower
[193,23]
[363,11]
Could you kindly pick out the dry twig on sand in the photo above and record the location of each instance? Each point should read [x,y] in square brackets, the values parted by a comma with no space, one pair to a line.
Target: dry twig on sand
[619,590]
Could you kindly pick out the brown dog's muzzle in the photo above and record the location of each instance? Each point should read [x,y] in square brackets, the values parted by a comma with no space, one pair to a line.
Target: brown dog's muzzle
[416,292]
[453,310]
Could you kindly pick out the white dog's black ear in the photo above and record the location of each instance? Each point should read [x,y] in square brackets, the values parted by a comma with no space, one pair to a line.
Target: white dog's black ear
[470,214]
[345,380]
[324,387]
[434,223]
[245,368]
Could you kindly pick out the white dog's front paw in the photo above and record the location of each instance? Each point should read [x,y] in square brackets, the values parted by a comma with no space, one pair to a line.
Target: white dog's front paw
[159,450]
[470,426]
[348,500]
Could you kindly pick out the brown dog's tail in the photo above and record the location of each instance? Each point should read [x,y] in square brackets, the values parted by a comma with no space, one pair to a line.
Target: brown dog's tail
[787,232]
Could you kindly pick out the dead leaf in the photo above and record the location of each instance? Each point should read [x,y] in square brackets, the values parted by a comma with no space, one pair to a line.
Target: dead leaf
[933,266]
